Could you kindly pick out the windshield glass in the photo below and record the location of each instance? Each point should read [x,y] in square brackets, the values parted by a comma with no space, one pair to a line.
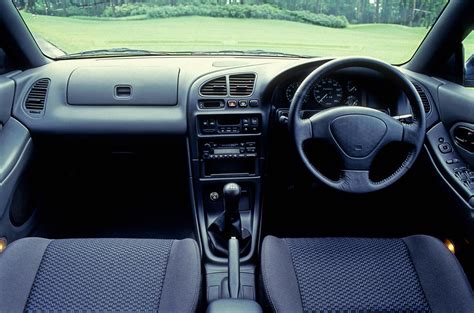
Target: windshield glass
[387,29]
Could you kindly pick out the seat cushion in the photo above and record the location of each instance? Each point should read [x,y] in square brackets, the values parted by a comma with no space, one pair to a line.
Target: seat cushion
[106,275]
[412,274]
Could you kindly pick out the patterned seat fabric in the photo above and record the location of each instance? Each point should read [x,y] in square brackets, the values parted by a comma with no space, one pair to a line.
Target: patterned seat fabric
[345,274]
[361,275]
[100,275]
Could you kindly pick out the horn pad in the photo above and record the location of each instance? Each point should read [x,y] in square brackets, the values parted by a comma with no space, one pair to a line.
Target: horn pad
[358,135]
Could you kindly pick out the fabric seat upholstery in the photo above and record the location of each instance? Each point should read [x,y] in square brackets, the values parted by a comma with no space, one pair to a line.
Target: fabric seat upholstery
[412,274]
[100,275]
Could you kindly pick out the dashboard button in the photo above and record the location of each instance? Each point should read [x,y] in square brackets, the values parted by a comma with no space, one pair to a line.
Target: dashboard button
[232,103]
[243,103]
[445,147]
[253,103]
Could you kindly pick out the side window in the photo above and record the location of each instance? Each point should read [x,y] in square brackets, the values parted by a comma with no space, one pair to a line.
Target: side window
[468,44]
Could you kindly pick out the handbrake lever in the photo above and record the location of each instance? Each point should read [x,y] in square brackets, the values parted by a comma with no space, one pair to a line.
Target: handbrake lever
[233,267]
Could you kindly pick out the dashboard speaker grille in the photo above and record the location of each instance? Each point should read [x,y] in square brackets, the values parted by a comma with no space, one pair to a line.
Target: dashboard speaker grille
[36,99]
[423,95]
[215,87]
[241,85]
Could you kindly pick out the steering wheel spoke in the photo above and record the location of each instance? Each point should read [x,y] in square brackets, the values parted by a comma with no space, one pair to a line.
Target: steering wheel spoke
[320,123]
[356,181]
[302,130]
[411,134]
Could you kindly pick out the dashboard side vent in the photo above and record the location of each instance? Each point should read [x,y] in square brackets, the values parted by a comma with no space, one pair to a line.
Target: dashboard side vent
[423,95]
[36,99]
[215,87]
[241,85]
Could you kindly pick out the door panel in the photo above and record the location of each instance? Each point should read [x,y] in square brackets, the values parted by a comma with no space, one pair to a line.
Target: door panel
[450,141]
[15,153]
[7,91]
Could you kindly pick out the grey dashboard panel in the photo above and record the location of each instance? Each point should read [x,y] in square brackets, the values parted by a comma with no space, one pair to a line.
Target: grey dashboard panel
[7,92]
[456,104]
[104,117]
[15,150]
[60,117]
[123,85]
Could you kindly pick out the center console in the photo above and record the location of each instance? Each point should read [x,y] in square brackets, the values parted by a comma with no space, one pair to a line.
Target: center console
[227,128]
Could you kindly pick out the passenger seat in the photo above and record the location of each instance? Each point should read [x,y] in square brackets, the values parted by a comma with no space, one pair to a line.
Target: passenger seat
[100,275]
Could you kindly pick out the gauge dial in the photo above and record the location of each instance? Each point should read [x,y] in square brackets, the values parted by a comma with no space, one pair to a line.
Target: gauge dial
[291,90]
[328,93]
[351,87]
[352,101]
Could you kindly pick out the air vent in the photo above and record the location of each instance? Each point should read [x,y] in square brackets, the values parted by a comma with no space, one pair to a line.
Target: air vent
[423,95]
[241,85]
[215,87]
[36,99]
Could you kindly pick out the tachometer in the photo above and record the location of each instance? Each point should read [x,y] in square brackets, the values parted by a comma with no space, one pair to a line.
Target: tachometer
[328,92]
[291,90]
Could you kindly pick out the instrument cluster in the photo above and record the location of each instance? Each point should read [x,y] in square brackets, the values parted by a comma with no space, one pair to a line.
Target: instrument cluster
[328,93]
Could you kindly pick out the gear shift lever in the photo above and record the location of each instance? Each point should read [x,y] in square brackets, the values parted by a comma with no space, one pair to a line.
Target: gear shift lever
[228,224]
[231,209]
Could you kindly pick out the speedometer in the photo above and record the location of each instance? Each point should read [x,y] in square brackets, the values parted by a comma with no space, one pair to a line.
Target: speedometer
[328,92]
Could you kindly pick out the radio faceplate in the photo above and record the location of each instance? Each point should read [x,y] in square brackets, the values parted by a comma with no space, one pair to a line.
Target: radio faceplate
[234,150]
[229,124]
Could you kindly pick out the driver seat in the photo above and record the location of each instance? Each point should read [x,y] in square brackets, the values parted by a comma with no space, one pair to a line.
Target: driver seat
[411,274]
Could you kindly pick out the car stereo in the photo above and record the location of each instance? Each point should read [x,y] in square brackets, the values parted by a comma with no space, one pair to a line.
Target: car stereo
[233,150]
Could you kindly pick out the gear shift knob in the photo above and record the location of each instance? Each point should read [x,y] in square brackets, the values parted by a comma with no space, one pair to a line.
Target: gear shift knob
[231,194]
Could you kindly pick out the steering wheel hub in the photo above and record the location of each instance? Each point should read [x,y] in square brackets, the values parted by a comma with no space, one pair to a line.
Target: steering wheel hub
[358,135]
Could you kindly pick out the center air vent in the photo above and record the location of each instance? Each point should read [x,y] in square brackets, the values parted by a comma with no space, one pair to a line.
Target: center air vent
[241,85]
[215,87]
[423,95]
[36,99]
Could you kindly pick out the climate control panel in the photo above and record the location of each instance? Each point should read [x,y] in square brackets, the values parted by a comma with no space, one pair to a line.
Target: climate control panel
[229,124]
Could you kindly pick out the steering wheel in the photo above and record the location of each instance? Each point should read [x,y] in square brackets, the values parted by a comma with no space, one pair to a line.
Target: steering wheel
[358,133]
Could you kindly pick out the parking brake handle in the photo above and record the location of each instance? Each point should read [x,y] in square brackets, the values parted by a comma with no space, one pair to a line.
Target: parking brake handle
[233,275]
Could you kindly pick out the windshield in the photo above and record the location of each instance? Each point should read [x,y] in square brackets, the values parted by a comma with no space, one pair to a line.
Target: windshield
[390,30]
